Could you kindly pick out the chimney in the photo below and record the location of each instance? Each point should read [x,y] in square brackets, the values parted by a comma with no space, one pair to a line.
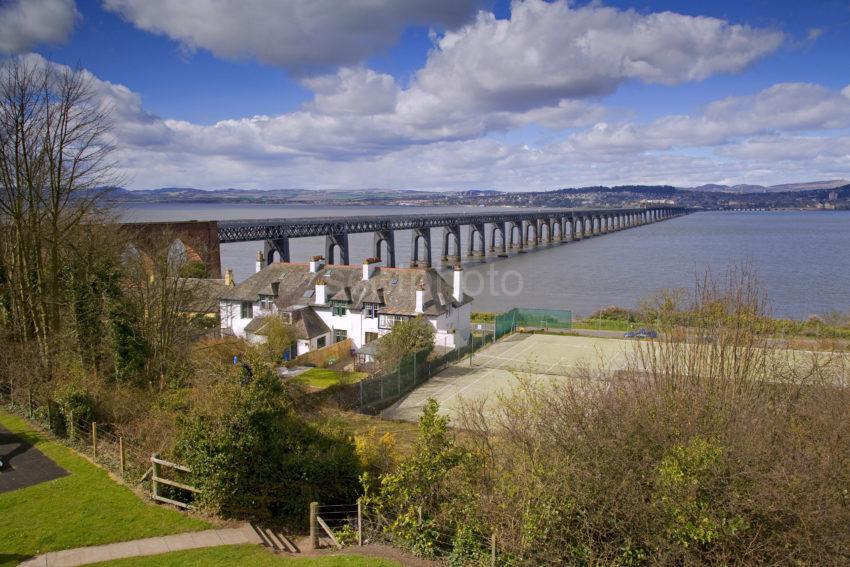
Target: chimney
[316,263]
[420,298]
[321,291]
[457,284]
[369,267]
[261,262]
[228,278]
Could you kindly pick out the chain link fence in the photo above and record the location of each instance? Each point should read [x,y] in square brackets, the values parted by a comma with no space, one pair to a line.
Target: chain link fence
[374,394]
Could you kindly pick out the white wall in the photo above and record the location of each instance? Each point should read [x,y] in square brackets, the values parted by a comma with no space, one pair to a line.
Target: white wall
[230,313]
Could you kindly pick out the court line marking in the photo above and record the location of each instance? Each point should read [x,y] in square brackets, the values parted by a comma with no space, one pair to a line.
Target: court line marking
[438,392]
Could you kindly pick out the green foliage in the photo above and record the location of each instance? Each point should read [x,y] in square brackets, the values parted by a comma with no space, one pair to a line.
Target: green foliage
[130,351]
[193,269]
[258,459]
[405,338]
[690,479]
[425,495]
[279,337]
[75,406]
[482,317]
[613,313]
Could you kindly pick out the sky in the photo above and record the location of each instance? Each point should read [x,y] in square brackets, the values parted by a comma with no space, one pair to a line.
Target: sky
[456,94]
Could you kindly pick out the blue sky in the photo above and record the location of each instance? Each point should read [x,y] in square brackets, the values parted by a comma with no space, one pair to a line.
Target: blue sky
[453,94]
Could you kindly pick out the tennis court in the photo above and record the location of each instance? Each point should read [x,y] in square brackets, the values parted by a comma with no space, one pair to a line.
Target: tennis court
[494,369]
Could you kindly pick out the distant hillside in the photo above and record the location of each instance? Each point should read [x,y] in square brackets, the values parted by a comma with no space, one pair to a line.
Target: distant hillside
[785,187]
[809,195]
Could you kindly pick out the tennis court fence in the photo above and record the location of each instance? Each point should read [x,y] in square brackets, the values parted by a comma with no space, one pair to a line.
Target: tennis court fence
[374,394]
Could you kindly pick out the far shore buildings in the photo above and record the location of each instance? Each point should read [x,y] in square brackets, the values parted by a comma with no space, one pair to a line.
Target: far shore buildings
[330,303]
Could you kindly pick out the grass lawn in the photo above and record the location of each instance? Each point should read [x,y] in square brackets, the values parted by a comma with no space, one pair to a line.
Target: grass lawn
[252,555]
[322,378]
[83,508]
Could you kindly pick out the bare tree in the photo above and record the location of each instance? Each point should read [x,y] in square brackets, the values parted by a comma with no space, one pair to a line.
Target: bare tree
[55,161]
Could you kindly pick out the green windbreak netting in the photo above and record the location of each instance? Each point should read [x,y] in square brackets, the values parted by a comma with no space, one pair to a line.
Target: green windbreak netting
[518,318]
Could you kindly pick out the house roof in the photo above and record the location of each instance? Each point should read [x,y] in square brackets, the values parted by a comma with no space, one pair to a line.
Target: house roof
[306,323]
[202,295]
[394,289]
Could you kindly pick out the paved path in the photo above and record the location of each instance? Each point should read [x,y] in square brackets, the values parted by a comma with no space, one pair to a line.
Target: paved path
[24,465]
[149,546]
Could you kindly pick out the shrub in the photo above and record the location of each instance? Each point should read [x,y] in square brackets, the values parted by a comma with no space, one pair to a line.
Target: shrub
[616,314]
[259,460]
[426,495]
[75,406]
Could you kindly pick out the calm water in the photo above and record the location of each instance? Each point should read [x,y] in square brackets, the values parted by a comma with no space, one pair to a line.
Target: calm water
[801,257]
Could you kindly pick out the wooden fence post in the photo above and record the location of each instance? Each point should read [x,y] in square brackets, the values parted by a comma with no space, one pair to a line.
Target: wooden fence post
[314,534]
[29,402]
[73,424]
[359,523]
[493,550]
[156,474]
[94,439]
[121,462]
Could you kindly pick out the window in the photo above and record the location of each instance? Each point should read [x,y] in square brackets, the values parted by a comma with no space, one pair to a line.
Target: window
[340,335]
[388,321]
[266,302]
[370,310]
[247,309]
[339,308]
[321,342]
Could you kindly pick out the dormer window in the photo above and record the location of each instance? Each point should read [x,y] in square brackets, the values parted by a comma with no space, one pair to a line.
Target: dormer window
[339,308]
[266,302]
[370,310]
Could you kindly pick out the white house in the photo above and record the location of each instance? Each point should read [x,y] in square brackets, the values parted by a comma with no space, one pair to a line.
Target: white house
[327,304]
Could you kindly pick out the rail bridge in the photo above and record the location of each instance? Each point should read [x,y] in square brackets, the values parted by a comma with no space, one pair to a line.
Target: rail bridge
[493,233]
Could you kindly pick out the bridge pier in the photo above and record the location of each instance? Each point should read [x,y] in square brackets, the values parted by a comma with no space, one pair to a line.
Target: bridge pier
[515,227]
[501,229]
[279,246]
[425,235]
[387,236]
[529,226]
[339,241]
[471,251]
[448,233]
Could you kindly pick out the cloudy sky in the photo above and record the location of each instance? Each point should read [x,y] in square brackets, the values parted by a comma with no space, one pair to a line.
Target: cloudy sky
[457,94]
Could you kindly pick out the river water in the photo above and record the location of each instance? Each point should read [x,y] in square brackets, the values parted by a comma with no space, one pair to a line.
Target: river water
[802,258]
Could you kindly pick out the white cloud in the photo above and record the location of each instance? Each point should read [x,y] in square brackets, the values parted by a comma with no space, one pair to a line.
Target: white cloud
[781,107]
[27,23]
[790,148]
[294,34]
[547,52]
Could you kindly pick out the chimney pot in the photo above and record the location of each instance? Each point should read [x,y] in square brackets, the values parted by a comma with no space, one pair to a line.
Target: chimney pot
[369,267]
[457,283]
[316,263]
[420,298]
[321,292]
